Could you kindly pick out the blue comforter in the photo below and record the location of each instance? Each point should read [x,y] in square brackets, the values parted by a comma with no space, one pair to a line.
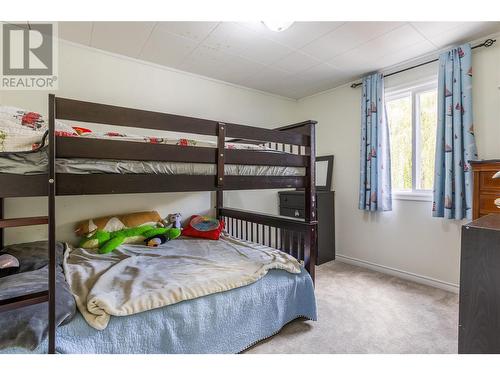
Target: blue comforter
[227,322]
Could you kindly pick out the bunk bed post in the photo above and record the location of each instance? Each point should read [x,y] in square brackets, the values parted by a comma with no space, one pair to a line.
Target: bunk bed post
[219,203]
[221,151]
[51,221]
[310,204]
[1,229]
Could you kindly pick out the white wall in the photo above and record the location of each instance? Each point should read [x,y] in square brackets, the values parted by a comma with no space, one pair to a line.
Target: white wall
[408,238]
[89,74]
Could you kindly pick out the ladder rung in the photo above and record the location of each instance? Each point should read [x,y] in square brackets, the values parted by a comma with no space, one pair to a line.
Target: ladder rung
[22,301]
[23,221]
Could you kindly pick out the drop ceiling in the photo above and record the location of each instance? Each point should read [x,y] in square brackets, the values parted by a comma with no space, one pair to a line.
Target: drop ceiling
[305,59]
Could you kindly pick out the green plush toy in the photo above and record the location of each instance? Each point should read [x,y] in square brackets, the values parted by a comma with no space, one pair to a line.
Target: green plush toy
[108,241]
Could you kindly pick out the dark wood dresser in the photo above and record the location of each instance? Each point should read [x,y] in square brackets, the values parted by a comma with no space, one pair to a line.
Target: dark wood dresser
[479,316]
[486,188]
[292,204]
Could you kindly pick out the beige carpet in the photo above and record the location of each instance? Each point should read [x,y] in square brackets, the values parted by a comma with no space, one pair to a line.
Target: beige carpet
[362,311]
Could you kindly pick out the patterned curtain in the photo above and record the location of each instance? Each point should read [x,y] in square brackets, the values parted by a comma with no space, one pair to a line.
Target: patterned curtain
[455,143]
[375,158]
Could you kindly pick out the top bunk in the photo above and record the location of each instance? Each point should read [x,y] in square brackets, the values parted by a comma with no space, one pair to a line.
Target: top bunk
[281,158]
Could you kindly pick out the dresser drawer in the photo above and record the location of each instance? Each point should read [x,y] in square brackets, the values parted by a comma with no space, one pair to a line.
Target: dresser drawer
[487,203]
[292,201]
[292,204]
[487,182]
[292,212]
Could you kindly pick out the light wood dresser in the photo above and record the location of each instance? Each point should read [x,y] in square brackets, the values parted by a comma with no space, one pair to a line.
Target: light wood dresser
[486,195]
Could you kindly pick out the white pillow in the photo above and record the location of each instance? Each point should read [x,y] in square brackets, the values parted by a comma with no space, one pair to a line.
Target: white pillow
[18,138]
[22,131]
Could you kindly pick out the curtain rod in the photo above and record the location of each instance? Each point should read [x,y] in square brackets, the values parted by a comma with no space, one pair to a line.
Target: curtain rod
[486,43]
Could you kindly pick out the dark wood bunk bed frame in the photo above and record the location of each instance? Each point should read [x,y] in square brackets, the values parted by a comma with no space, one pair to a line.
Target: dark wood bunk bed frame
[296,237]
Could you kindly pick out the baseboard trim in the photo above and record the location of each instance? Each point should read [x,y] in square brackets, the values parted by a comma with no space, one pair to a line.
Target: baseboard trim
[420,279]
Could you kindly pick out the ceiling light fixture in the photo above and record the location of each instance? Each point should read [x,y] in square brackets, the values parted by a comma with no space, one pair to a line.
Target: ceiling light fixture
[277,26]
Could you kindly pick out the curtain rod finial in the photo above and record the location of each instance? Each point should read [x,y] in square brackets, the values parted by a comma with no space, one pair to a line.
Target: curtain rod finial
[489,42]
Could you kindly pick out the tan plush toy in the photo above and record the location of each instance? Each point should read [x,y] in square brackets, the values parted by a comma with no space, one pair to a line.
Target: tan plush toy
[118,222]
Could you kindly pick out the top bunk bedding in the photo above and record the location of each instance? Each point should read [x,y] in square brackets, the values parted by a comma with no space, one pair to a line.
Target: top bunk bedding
[35,161]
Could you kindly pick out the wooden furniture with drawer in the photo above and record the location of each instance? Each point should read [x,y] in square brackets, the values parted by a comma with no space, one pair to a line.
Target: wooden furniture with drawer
[292,205]
[486,195]
[479,312]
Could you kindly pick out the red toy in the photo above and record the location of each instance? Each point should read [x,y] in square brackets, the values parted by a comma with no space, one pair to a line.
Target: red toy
[203,227]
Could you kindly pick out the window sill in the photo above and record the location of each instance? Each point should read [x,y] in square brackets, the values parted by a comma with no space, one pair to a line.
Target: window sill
[413,196]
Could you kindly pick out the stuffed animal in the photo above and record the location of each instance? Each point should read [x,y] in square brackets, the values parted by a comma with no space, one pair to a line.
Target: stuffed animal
[156,241]
[118,222]
[159,239]
[174,220]
[108,241]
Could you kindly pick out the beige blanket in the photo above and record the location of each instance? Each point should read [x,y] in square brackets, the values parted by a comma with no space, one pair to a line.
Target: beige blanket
[135,278]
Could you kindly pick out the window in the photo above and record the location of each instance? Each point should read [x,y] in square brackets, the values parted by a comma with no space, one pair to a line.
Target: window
[412,120]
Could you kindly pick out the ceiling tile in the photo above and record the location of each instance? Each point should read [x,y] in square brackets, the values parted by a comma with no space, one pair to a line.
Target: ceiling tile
[296,62]
[316,79]
[126,38]
[214,63]
[288,88]
[346,37]
[399,57]
[466,31]
[355,61]
[320,78]
[389,49]
[78,32]
[297,35]
[306,88]
[429,29]
[235,39]
[197,31]
[166,48]
[401,38]
[285,86]
[321,72]
[267,79]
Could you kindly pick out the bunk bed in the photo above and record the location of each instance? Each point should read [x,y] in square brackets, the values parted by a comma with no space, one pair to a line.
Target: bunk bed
[293,145]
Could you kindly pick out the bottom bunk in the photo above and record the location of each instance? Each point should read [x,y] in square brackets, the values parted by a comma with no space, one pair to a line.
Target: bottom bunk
[229,321]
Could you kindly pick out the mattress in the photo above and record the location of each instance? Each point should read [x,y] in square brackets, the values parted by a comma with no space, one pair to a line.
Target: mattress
[31,163]
[227,322]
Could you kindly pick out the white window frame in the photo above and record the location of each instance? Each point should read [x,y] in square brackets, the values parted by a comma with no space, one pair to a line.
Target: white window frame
[413,90]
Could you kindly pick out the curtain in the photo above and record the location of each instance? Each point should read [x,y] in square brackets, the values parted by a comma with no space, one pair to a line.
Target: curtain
[455,143]
[375,160]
